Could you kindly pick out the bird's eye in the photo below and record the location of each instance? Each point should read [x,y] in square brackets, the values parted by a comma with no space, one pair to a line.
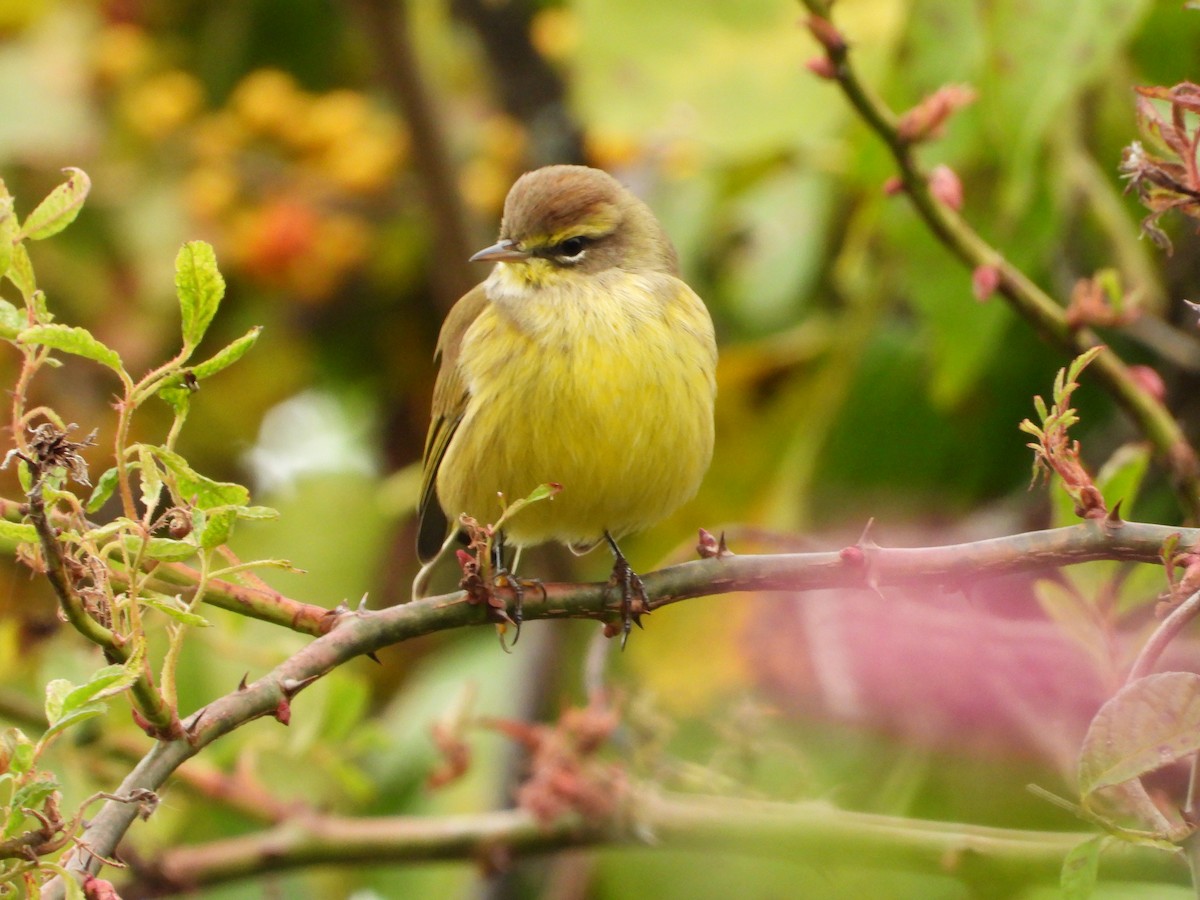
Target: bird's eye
[572,248]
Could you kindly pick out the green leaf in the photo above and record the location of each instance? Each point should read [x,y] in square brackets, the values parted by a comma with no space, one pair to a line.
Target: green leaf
[12,320]
[17,532]
[177,395]
[9,231]
[1120,478]
[106,682]
[56,691]
[60,207]
[217,527]
[82,714]
[33,794]
[1148,724]
[20,750]
[74,340]
[175,608]
[162,549]
[1080,868]
[20,273]
[227,355]
[200,287]
[151,479]
[197,489]
[258,512]
[105,485]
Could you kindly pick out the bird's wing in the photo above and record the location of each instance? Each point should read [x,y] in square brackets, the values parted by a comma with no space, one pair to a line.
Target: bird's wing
[449,404]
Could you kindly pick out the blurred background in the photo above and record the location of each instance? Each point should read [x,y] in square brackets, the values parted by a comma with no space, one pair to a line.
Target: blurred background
[346,158]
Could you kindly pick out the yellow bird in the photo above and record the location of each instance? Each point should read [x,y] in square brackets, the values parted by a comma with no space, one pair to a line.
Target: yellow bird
[582,359]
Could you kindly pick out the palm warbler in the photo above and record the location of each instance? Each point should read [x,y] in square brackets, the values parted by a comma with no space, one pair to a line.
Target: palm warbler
[583,359]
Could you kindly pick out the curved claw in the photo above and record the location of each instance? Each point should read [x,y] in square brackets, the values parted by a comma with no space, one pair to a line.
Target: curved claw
[631,587]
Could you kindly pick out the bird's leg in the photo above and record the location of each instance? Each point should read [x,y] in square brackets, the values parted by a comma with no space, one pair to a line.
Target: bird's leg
[631,587]
[503,576]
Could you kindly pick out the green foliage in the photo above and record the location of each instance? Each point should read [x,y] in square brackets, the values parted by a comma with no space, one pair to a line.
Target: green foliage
[198,513]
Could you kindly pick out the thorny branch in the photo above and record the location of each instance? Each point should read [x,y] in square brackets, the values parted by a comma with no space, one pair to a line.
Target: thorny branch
[865,566]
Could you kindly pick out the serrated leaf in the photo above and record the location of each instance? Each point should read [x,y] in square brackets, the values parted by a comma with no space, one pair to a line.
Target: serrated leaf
[196,488]
[56,691]
[106,682]
[217,527]
[82,714]
[199,287]
[12,320]
[227,355]
[151,479]
[1150,723]
[105,485]
[9,230]
[19,750]
[20,273]
[33,794]
[171,606]
[162,549]
[177,395]
[1078,878]
[17,532]
[74,340]
[60,207]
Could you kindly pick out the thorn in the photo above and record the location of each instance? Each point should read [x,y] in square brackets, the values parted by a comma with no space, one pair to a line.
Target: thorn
[291,687]
[192,729]
[372,657]
[1113,519]
[242,683]
[341,609]
[362,604]
[864,539]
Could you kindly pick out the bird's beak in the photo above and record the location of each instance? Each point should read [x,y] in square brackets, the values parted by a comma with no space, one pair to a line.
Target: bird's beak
[500,251]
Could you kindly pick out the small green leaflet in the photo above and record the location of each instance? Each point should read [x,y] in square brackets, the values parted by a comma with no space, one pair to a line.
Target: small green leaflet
[17,532]
[74,340]
[20,272]
[162,549]
[12,320]
[199,287]
[227,356]
[1080,868]
[60,207]
[8,232]
[197,489]
[105,485]
[174,607]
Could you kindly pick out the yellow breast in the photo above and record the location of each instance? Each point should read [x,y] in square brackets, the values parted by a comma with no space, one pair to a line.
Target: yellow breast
[606,390]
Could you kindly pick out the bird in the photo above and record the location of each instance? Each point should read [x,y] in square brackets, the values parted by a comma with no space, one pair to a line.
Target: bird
[582,360]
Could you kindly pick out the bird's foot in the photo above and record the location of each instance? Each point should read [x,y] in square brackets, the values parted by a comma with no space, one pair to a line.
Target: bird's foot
[634,602]
[487,591]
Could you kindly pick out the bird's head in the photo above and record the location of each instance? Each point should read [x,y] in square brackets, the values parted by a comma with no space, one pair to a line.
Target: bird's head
[565,221]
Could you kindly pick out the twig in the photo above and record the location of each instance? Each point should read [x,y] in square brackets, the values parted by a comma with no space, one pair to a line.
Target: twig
[1033,304]
[367,631]
[1166,631]
[149,700]
[769,829]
